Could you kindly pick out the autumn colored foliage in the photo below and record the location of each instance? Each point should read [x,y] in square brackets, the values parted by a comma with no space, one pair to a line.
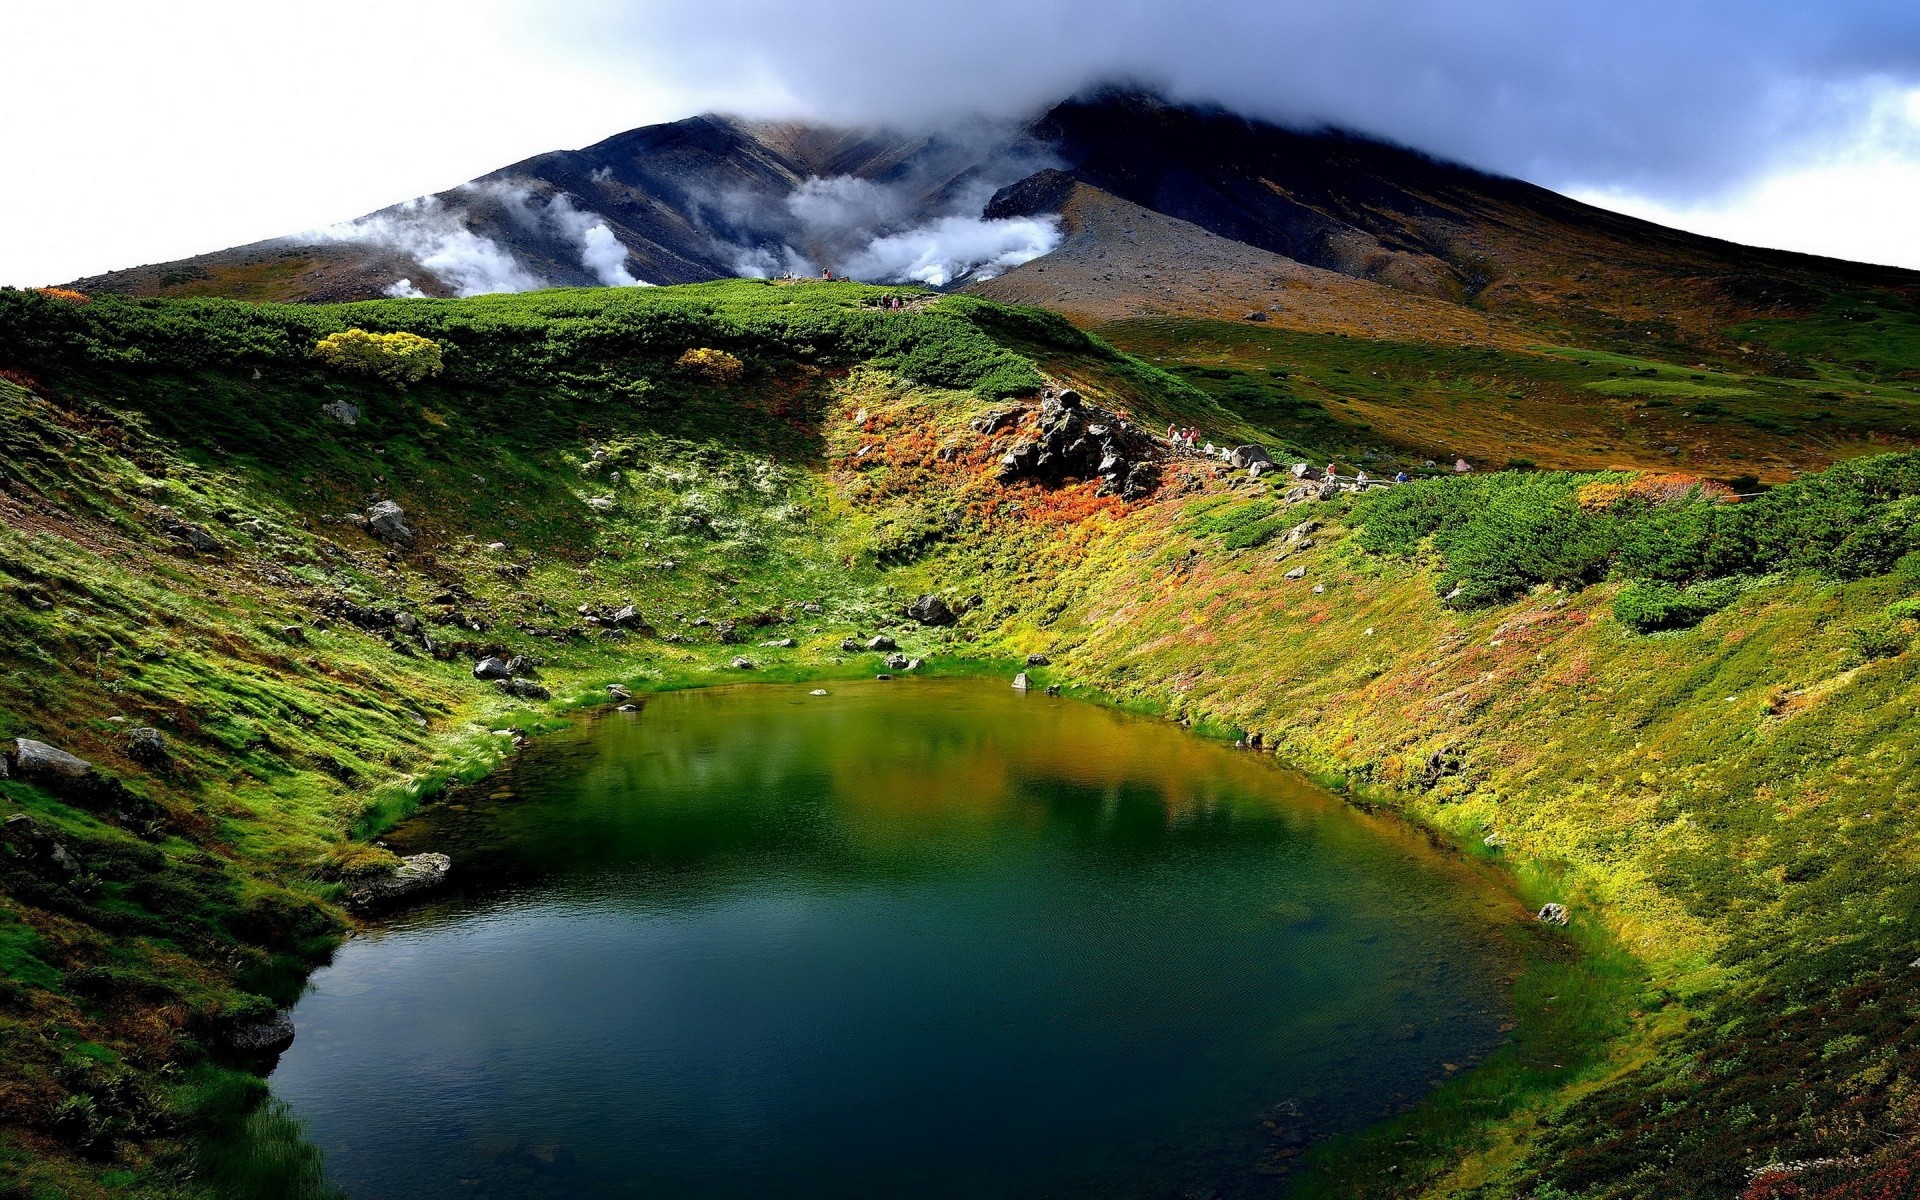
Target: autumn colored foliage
[399,358]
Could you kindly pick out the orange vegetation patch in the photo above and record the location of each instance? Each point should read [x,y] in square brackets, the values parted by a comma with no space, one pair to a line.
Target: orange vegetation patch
[1652,488]
[60,293]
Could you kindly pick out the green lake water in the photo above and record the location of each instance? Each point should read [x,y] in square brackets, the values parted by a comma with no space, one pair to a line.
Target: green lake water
[924,938]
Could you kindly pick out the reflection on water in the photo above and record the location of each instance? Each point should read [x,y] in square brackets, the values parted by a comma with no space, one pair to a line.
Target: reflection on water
[925,938]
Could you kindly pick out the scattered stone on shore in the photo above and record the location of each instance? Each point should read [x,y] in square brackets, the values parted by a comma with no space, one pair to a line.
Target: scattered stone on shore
[416,873]
[881,641]
[1021,683]
[850,645]
[270,1035]
[619,691]
[742,664]
[895,662]
[523,689]
[1039,660]
[1053,689]
[1552,914]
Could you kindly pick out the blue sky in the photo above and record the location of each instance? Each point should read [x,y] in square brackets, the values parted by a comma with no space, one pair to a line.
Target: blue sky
[137,132]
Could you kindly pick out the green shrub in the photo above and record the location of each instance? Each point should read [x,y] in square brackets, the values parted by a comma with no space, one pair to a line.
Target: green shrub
[1652,605]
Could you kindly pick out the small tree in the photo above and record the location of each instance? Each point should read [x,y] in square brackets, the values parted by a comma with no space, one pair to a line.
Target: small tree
[399,358]
[715,365]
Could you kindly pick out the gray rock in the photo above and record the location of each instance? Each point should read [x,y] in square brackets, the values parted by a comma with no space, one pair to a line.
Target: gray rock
[191,535]
[416,873]
[406,622]
[341,412]
[850,645]
[523,667]
[742,664]
[40,847]
[1552,914]
[881,641]
[147,746]
[492,667]
[930,610]
[619,691]
[1039,660]
[1245,456]
[896,662]
[47,764]
[1296,573]
[1053,689]
[270,1036]
[914,664]
[626,616]
[523,689]
[601,504]
[388,521]
[779,644]
[1021,683]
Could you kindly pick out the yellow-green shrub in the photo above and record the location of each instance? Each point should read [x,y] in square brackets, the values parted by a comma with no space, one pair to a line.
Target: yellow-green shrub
[400,358]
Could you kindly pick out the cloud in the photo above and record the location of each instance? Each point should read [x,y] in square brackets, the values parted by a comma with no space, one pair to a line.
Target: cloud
[600,251]
[942,251]
[1679,100]
[440,237]
[435,236]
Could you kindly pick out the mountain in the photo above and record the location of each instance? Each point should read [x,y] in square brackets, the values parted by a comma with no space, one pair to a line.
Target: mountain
[1498,321]
[713,197]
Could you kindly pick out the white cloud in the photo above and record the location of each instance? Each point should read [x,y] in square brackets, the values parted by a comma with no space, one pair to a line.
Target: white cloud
[434,236]
[942,251]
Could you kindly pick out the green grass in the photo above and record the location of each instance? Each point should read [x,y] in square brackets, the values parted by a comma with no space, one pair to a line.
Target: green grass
[1716,802]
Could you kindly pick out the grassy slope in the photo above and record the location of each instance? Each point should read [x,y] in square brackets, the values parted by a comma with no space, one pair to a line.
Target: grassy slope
[1725,803]
[1849,393]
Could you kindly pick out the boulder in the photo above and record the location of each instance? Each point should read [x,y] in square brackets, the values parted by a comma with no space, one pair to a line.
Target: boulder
[931,610]
[1053,689]
[147,746]
[881,641]
[914,664]
[619,691]
[728,633]
[625,617]
[1296,573]
[1039,660]
[1552,914]
[40,848]
[778,644]
[742,664]
[1245,456]
[341,412]
[523,689]
[817,692]
[492,667]
[388,522]
[271,1035]
[601,503]
[896,662]
[46,764]
[523,667]
[190,535]
[416,873]
[1021,683]
[850,645]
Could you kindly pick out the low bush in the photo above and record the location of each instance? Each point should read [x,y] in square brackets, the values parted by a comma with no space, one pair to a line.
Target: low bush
[399,357]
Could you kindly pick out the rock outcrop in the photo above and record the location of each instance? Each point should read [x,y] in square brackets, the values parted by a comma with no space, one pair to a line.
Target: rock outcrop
[1079,442]
[416,873]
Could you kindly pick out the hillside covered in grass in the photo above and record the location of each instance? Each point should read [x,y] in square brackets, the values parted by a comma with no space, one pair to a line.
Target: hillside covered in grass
[1684,717]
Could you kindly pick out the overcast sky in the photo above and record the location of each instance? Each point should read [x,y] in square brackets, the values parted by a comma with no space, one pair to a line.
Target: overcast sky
[135,131]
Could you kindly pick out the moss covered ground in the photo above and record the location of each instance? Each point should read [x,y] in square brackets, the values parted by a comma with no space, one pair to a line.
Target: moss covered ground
[1726,808]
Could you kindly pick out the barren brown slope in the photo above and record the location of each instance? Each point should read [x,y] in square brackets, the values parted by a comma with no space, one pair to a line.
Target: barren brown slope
[1122,261]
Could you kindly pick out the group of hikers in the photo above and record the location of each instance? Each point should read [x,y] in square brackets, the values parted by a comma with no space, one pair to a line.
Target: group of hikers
[1181,437]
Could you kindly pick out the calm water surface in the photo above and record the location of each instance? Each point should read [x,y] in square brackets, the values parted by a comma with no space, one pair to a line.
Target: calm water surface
[922,938]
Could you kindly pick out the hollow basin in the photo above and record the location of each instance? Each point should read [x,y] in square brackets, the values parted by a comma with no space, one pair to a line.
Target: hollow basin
[930,938]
